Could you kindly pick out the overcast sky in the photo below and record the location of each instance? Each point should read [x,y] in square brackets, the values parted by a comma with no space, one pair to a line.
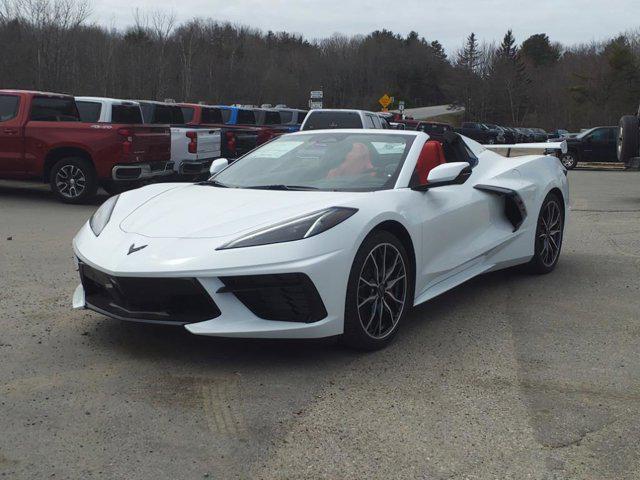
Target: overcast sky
[449,21]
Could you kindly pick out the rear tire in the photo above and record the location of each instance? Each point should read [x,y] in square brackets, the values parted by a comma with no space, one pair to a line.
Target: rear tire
[73,180]
[549,235]
[379,292]
[628,138]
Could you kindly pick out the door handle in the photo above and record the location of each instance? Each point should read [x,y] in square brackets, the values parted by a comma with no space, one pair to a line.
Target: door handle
[10,131]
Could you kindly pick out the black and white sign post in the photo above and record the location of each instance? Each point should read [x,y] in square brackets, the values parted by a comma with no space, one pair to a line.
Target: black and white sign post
[315,99]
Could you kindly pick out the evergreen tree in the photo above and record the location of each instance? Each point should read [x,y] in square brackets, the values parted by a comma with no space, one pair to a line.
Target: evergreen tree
[438,50]
[468,56]
[539,51]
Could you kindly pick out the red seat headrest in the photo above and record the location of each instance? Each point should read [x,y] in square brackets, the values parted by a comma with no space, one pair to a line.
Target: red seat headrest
[431,156]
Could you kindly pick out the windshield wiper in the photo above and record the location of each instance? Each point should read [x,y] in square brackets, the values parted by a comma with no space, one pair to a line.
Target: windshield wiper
[281,187]
[214,183]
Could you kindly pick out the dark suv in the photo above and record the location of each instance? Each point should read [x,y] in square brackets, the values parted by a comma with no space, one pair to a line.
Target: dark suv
[594,145]
[479,132]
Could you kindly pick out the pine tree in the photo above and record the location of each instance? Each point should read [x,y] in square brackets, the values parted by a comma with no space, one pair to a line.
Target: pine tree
[468,56]
[438,50]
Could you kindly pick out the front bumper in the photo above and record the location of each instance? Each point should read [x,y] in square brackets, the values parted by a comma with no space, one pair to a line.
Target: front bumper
[243,317]
[141,171]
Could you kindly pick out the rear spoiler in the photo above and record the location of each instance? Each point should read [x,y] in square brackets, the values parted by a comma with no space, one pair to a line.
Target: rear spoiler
[520,149]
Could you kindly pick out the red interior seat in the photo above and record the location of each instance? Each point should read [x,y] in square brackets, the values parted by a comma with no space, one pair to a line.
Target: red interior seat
[431,156]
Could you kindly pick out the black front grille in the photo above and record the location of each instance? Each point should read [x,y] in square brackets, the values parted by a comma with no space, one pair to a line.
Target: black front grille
[290,297]
[170,300]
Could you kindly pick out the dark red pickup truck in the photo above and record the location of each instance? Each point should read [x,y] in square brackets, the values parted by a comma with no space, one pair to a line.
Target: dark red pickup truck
[236,139]
[42,138]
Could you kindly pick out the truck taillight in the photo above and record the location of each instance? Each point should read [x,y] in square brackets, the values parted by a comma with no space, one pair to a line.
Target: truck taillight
[264,136]
[193,143]
[231,142]
[127,136]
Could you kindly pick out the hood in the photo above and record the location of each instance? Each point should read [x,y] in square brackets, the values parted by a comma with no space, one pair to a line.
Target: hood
[205,211]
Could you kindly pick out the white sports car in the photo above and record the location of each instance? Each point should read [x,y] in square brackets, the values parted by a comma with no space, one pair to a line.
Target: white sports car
[321,233]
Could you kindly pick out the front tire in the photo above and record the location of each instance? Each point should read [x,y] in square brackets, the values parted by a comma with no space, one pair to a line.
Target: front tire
[379,292]
[73,180]
[569,160]
[549,235]
[628,139]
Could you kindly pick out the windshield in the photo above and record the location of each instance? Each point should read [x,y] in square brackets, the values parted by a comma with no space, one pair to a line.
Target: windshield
[585,133]
[322,161]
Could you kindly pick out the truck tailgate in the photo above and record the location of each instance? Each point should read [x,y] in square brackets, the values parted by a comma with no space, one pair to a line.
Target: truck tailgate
[150,144]
[209,143]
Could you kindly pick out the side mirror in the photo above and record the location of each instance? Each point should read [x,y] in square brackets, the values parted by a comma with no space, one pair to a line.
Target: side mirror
[218,165]
[455,173]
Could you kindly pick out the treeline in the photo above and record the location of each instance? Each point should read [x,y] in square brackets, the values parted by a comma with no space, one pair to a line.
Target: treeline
[52,45]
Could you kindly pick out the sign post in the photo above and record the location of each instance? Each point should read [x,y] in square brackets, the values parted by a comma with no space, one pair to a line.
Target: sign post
[315,99]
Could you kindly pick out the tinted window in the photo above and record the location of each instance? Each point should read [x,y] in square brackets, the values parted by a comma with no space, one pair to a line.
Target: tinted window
[129,114]
[600,135]
[8,107]
[212,115]
[47,109]
[167,115]
[226,114]
[376,121]
[246,117]
[147,112]
[187,113]
[89,111]
[286,117]
[301,116]
[323,120]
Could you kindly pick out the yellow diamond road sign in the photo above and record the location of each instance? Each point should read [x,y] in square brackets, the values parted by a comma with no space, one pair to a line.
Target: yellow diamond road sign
[385,101]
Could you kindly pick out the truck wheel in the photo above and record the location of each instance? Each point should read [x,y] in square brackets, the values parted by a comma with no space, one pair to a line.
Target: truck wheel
[628,138]
[73,180]
[569,160]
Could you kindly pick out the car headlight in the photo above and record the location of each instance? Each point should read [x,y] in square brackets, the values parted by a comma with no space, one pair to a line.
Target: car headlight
[296,228]
[102,216]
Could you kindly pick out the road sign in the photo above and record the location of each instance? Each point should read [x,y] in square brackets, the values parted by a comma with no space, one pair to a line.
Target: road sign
[401,106]
[316,94]
[385,101]
[315,105]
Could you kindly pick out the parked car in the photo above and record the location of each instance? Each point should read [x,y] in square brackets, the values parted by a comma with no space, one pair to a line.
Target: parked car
[628,141]
[526,135]
[478,132]
[192,149]
[539,135]
[43,138]
[557,134]
[594,145]
[322,119]
[430,128]
[504,134]
[236,139]
[322,233]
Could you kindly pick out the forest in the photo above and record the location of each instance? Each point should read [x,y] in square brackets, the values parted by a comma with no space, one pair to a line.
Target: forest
[57,46]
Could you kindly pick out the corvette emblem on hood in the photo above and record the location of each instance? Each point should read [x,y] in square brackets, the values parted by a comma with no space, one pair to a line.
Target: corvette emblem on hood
[134,249]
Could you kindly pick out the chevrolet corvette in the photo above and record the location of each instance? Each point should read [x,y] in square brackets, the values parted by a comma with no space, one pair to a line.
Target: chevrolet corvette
[321,233]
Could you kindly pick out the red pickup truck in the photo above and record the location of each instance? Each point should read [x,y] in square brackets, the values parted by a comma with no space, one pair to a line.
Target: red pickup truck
[42,138]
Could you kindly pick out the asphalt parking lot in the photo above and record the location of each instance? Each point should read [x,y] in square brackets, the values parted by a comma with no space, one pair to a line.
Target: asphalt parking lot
[509,376]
